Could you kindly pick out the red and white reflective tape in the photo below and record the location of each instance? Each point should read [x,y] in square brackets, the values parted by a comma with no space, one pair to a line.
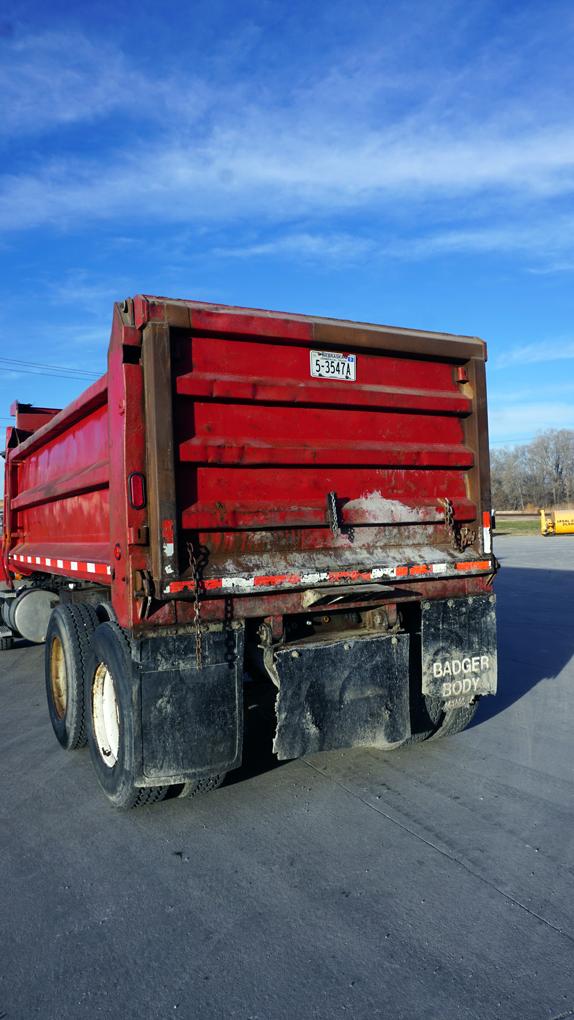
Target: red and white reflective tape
[248,584]
[63,566]
[486,532]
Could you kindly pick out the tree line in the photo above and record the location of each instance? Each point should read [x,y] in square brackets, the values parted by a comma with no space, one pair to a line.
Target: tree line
[538,474]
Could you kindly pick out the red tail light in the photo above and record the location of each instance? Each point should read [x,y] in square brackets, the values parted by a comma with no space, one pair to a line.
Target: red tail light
[136,490]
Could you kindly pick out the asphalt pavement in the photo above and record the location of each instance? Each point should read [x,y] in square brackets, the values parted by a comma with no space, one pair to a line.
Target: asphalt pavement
[432,882]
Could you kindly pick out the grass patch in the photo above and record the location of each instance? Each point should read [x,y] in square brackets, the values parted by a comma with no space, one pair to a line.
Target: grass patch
[517,526]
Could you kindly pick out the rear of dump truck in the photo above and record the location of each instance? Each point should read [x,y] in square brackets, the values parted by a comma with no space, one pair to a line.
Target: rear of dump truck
[254,502]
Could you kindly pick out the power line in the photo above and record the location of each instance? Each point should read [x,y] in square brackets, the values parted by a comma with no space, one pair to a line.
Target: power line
[503,442]
[38,368]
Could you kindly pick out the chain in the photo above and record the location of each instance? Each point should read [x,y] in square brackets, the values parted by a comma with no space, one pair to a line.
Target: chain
[195,566]
[460,537]
[449,522]
[333,514]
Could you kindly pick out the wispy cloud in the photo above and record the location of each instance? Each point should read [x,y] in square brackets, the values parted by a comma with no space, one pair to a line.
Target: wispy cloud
[312,246]
[232,173]
[534,353]
[377,136]
[62,78]
[538,239]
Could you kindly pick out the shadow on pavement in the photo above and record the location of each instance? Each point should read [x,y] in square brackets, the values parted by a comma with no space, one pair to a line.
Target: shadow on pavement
[259,732]
[535,643]
[535,632]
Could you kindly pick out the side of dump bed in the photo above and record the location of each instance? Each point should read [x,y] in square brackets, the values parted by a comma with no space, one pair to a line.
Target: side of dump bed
[255,501]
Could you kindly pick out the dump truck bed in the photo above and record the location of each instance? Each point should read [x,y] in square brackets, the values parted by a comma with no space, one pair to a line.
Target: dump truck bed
[246,452]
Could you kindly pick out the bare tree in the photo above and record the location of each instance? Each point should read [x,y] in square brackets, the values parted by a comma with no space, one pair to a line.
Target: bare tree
[539,473]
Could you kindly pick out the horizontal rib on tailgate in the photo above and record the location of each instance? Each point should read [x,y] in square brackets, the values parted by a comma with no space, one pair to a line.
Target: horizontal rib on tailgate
[260,445]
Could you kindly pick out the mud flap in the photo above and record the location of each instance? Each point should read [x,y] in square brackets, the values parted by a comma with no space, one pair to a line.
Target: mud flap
[341,694]
[191,720]
[459,647]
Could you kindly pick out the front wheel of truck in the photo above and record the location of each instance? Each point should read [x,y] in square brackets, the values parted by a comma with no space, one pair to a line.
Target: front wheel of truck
[110,721]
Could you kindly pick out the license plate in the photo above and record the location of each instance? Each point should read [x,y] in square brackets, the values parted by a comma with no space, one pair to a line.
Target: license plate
[329,365]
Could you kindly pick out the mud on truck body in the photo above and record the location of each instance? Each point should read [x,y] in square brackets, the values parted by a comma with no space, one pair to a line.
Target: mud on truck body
[249,504]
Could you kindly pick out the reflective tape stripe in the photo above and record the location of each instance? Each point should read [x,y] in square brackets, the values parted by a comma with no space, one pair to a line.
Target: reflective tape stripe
[66,566]
[248,584]
[486,532]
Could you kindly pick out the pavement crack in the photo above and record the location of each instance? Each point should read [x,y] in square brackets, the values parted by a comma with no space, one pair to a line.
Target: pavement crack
[449,856]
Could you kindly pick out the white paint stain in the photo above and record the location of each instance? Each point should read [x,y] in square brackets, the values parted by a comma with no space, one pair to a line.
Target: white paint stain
[374,508]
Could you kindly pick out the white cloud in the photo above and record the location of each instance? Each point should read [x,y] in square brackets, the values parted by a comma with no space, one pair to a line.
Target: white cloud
[533,353]
[539,239]
[369,134]
[63,78]
[316,247]
[280,173]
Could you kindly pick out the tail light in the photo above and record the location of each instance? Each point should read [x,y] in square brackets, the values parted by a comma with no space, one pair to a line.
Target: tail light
[137,490]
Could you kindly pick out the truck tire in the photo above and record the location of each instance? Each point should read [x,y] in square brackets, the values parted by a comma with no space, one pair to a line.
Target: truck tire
[110,721]
[67,659]
[433,721]
[455,720]
[197,787]
[6,643]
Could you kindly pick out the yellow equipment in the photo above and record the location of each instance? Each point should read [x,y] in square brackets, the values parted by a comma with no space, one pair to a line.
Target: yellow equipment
[557,522]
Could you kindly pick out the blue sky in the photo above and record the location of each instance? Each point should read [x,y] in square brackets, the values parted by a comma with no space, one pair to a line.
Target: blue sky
[409,163]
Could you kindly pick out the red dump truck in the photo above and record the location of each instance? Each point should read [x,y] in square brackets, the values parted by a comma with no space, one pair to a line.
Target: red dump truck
[250,500]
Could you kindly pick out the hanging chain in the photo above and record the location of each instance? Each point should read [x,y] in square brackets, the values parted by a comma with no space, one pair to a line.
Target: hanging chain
[450,523]
[460,537]
[196,568]
[333,514]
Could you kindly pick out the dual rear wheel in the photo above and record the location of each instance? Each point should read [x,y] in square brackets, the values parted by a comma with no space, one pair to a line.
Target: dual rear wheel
[88,671]
[431,719]
[68,659]
[88,685]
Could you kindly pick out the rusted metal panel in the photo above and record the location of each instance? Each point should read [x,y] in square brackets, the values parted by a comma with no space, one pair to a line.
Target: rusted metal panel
[409,342]
[29,418]
[163,510]
[57,481]
[91,399]
[127,446]
[249,322]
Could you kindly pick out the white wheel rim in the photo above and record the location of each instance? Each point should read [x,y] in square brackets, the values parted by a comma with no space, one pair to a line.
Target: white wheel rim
[106,715]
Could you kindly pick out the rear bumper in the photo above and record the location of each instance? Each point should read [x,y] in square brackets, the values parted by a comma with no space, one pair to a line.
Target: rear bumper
[262,583]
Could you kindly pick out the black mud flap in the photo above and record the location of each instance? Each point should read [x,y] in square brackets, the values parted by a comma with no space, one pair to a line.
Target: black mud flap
[341,694]
[191,719]
[459,647]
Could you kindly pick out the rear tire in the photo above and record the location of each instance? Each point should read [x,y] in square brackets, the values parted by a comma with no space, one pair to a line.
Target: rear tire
[110,721]
[6,643]
[68,658]
[435,720]
[455,720]
[197,787]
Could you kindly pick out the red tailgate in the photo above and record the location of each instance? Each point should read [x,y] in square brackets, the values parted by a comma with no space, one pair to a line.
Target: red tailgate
[278,474]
